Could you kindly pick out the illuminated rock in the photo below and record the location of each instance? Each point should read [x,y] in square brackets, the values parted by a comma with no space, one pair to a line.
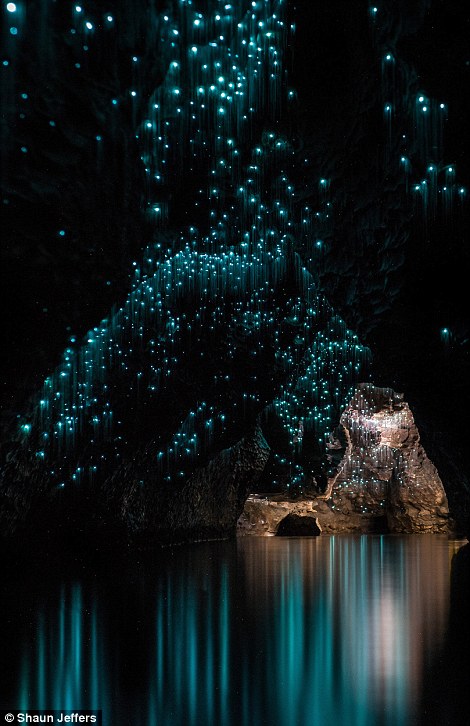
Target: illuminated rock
[385,471]
[212,330]
[159,390]
[263,514]
[384,482]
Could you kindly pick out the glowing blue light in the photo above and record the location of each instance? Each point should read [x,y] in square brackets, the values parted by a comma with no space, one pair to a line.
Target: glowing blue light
[442,105]
[388,107]
[11,7]
[109,18]
[388,57]
[78,9]
[89,25]
[421,99]
[425,108]
[93,355]
[62,232]
[26,428]
[451,169]
[14,31]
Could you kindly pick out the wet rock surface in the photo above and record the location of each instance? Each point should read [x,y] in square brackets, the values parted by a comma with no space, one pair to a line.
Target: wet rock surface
[262,515]
[385,470]
[384,482]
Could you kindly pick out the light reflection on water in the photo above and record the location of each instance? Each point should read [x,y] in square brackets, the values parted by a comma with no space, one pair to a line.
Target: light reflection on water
[288,632]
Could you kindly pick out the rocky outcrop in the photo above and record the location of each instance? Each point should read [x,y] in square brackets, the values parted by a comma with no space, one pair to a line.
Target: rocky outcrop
[385,470]
[133,507]
[207,505]
[262,515]
[384,482]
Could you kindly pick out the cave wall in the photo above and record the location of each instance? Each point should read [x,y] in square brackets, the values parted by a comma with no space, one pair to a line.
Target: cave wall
[76,188]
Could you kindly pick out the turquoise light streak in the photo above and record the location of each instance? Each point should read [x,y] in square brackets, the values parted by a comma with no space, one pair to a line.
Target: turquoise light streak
[266,630]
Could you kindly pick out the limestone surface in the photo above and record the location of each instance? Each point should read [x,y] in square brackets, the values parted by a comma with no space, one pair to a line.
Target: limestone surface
[384,483]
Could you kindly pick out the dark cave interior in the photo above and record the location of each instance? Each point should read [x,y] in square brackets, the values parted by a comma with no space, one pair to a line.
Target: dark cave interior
[76,203]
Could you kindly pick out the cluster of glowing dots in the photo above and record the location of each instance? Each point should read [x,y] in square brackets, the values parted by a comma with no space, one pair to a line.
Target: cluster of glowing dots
[428,118]
[230,78]
[195,286]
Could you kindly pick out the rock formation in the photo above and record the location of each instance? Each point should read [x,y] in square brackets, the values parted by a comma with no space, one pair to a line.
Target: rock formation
[263,515]
[384,482]
[207,506]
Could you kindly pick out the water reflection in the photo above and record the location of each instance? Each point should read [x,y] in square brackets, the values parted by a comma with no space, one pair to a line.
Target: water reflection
[62,661]
[350,623]
[282,631]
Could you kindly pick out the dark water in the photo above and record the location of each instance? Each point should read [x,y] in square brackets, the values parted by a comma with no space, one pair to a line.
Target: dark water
[286,632]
